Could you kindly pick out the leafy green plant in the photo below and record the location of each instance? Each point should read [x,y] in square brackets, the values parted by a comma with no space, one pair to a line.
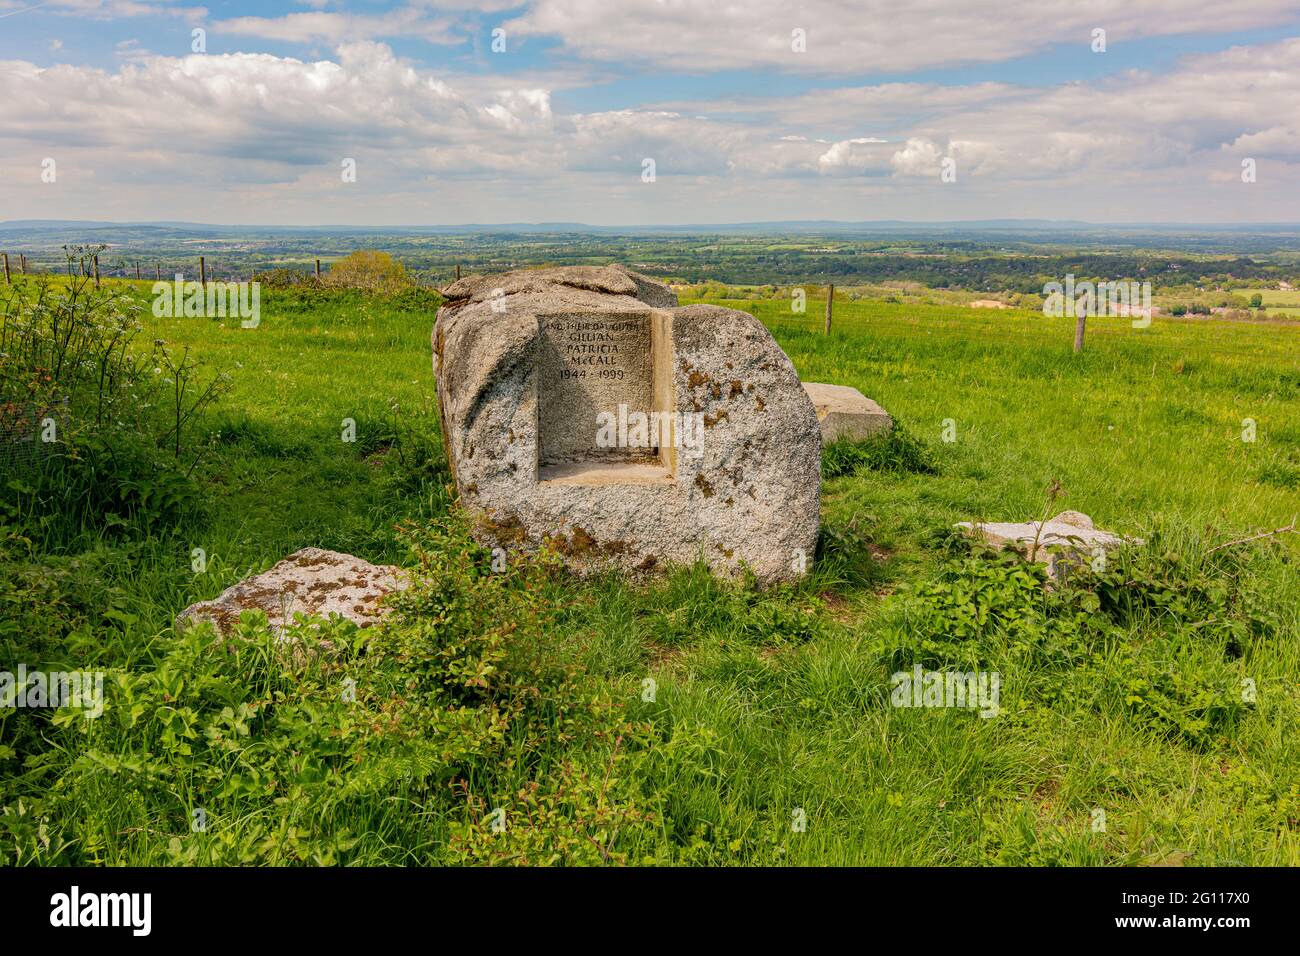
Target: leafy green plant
[278,737]
[977,609]
[1204,594]
[115,482]
[1184,697]
[111,402]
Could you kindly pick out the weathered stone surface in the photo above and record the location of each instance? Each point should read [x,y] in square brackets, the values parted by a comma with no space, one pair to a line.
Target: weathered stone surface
[538,369]
[845,413]
[1067,540]
[311,581]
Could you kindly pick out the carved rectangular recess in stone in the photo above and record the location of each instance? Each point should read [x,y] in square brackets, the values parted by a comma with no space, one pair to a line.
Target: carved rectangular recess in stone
[589,363]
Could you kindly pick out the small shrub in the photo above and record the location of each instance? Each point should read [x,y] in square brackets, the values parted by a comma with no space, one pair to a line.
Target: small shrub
[122,412]
[414,298]
[994,607]
[286,279]
[1207,594]
[369,270]
[1184,698]
[896,451]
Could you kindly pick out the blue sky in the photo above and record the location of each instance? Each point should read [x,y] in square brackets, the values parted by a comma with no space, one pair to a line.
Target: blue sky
[845,109]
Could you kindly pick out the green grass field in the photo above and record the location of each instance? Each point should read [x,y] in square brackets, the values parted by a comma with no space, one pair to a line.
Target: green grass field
[1281,301]
[1124,734]
[1283,297]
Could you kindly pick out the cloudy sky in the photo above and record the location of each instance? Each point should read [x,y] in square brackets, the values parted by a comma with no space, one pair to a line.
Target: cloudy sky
[505,111]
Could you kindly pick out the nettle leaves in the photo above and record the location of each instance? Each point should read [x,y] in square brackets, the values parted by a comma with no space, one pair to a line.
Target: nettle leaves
[1165,636]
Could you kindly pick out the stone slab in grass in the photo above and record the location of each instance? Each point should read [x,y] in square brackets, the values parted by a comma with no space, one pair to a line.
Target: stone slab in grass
[1066,541]
[312,582]
[845,413]
[583,409]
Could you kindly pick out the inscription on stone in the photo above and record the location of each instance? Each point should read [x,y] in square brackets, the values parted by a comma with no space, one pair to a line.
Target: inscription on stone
[590,364]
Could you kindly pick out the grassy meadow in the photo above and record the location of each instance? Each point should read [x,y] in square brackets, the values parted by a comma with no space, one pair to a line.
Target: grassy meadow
[1148,712]
[1285,302]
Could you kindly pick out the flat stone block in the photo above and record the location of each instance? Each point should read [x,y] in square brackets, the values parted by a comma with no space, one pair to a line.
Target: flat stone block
[845,413]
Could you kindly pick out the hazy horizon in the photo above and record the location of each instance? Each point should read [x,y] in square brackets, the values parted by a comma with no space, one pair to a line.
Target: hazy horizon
[775,224]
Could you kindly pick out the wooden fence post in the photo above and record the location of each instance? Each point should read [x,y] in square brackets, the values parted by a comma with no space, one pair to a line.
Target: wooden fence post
[95,260]
[157,267]
[6,268]
[203,273]
[318,270]
[137,270]
[458,270]
[22,262]
[830,302]
[1078,332]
